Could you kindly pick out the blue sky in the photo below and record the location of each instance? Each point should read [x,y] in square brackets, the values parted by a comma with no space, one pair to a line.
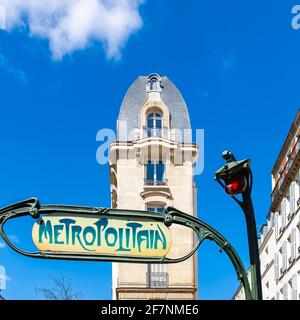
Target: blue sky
[235,63]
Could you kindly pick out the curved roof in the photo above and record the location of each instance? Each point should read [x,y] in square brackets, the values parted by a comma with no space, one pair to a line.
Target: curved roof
[136,95]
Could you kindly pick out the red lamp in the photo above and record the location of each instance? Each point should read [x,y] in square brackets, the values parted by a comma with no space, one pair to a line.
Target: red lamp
[236,184]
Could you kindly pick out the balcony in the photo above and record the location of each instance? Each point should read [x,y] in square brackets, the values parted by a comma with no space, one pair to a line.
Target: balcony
[163,132]
[154,132]
[157,279]
[155,182]
[156,187]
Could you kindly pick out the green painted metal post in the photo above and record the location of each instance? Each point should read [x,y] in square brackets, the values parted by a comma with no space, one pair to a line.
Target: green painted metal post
[236,178]
[253,246]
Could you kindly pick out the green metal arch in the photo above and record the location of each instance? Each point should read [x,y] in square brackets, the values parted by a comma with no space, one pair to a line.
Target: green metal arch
[170,216]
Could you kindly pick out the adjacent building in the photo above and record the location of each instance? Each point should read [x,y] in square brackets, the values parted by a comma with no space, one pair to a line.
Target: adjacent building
[151,166]
[279,242]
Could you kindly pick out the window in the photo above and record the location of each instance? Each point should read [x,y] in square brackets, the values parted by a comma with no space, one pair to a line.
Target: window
[293,244]
[293,284]
[154,124]
[153,84]
[156,208]
[284,255]
[157,276]
[297,187]
[276,267]
[283,210]
[276,224]
[267,290]
[155,173]
[285,291]
[292,197]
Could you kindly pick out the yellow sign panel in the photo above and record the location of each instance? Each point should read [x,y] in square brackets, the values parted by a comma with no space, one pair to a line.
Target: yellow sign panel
[102,236]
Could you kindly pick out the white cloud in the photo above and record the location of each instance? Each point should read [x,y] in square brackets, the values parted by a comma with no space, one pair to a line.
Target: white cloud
[18,74]
[13,238]
[2,18]
[70,25]
[2,245]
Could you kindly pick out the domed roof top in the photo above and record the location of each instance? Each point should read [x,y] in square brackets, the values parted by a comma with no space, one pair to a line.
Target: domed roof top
[137,94]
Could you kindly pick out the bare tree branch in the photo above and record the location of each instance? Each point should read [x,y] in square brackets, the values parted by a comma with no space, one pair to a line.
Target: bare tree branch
[62,290]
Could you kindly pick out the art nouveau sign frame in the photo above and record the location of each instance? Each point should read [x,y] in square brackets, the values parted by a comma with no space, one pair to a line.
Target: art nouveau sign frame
[101,234]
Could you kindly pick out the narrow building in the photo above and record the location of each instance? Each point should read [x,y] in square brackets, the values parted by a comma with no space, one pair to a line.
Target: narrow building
[151,166]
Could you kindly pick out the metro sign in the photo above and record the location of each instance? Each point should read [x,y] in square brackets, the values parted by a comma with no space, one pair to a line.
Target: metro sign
[100,235]
[103,234]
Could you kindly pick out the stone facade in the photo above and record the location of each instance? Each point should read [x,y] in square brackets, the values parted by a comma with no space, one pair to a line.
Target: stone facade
[151,166]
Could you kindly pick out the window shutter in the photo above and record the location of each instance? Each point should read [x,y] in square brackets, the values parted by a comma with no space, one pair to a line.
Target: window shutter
[294,287]
[283,211]
[276,224]
[285,292]
[293,243]
[292,197]
[297,188]
[284,256]
[276,267]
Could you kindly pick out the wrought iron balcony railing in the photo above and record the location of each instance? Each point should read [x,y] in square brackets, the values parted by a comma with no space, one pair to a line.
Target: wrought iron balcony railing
[157,279]
[155,182]
[163,132]
[155,132]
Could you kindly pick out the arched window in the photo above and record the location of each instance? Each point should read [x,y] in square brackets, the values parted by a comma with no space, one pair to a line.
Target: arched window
[153,84]
[154,124]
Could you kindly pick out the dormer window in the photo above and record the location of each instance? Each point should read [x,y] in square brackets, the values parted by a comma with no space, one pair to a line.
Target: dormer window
[154,124]
[154,83]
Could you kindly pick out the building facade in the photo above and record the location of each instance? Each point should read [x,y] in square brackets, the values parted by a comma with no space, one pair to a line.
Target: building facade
[279,242]
[151,166]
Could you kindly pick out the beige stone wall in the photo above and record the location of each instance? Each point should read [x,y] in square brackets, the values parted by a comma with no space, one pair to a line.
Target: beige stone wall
[182,276]
[157,294]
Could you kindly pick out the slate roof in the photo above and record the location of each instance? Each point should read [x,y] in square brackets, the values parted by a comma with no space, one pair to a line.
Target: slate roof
[136,95]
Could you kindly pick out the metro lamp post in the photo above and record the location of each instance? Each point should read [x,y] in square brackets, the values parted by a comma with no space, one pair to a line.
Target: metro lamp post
[236,178]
